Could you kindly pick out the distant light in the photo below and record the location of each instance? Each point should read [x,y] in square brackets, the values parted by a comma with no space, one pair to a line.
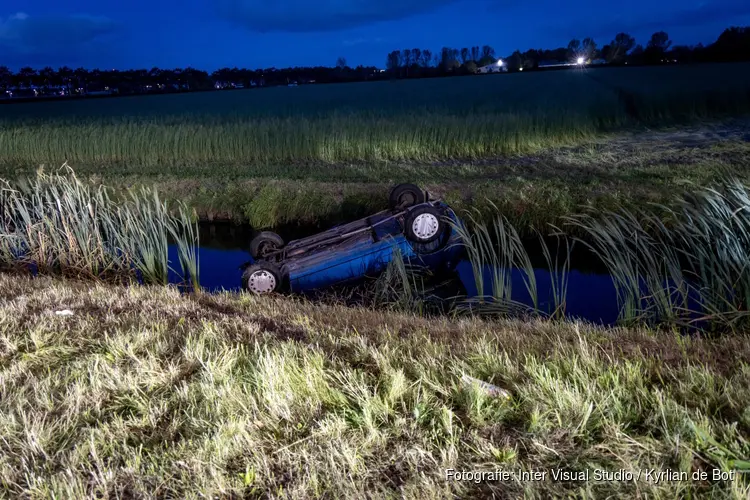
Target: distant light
[581,60]
[520,69]
[500,62]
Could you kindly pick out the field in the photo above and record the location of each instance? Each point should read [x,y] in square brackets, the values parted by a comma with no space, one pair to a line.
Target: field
[142,392]
[520,140]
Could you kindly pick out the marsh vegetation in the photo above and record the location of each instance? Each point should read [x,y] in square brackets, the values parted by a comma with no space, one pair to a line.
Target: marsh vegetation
[57,224]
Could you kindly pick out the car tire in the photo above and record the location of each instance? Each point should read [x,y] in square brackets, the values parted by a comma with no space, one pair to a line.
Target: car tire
[262,278]
[264,243]
[405,196]
[424,224]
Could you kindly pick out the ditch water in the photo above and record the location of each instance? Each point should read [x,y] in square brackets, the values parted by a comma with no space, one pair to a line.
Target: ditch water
[591,294]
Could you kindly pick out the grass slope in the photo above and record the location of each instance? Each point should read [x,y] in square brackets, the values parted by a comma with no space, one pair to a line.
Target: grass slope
[630,170]
[148,393]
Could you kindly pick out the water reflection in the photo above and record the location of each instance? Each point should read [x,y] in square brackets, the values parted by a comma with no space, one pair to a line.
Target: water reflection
[590,293]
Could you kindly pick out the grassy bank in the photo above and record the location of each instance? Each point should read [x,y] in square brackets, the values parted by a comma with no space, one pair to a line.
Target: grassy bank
[143,392]
[629,170]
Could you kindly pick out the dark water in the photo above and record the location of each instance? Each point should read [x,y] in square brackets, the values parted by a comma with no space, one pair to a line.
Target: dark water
[590,295]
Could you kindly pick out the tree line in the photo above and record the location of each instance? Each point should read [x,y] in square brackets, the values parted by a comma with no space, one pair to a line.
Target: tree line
[157,80]
[732,45]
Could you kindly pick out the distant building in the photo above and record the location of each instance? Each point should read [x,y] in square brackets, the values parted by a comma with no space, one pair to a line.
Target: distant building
[498,66]
[228,85]
[16,92]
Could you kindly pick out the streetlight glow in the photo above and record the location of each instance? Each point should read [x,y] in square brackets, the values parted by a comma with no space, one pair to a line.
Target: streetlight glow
[581,60]
[499,62]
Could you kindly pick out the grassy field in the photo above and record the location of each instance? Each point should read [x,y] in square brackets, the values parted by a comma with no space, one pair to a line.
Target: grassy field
[419,120]
[144,392]
[531,143]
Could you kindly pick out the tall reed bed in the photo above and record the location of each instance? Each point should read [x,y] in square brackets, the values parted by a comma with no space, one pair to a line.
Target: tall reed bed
[57,224]
[170,142]
[691,266]
[408,120]
[496,251]
[688,268]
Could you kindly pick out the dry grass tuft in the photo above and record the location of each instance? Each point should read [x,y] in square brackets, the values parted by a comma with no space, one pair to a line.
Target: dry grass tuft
[145,392]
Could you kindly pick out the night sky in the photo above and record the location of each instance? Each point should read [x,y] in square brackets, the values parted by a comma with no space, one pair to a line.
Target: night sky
[209,34]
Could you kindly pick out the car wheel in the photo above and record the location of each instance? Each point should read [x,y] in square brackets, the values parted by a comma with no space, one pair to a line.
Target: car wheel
[424,224]
[261,278]
[405,196]
[265,244]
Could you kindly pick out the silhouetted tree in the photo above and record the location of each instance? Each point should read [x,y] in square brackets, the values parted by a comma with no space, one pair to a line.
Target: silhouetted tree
[5,77]
[620,47]
[464,55]
[449,59]
[531,58]
[475,53]
[487,51]
[25,77]
[588,48]
[515,61]
[659,41]
[416,57]
[733,45]
[406,60]
[393,61]
[637,56]
[574,49]
[341,63]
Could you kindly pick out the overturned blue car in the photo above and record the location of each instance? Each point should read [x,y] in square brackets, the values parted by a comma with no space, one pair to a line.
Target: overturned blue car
[414,228]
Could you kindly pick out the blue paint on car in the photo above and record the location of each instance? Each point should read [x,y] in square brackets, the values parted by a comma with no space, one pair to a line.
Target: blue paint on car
[365,247]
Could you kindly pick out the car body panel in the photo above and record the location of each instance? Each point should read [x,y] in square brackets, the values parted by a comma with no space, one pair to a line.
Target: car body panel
[363,248]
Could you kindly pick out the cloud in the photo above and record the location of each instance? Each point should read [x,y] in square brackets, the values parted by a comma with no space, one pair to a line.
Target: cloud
[24,35]
[700,14]
[707,12]
[322,15]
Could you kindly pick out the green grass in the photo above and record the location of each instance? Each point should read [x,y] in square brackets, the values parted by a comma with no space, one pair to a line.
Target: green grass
[60,225]
[538,145]
[685,264]
[698,251]
[148,393]
[422,120]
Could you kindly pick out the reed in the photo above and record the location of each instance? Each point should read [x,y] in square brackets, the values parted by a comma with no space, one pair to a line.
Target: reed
[688,267]
[559,270]
[412,120]
[682,265]
[496,250]
[57,224]
[401,287]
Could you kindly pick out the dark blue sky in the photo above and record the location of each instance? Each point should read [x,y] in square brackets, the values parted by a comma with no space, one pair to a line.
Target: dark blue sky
[209,34]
